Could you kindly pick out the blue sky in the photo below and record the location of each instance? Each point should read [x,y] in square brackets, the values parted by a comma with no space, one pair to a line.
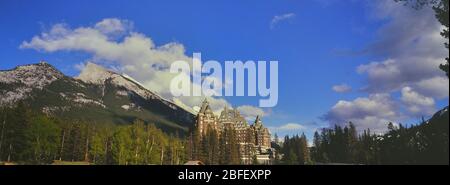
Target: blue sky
[380,57]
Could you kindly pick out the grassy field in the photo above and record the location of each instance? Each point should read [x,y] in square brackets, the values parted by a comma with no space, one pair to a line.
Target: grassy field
[57,162]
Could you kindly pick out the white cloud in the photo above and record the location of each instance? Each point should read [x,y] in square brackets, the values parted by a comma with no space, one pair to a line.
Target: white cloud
[412,45]
[79,66]
[291,126]
[216,104]
[250,112]
[416,103]
[113,43]
[342,88]
[279,18]
[411,49]
[393,74]
[373,112]
[435,87]
[288,128]
[113,25]
[135,55]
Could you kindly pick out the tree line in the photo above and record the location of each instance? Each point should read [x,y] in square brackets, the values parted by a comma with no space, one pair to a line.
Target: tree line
[28,137]
[426,143]
[34,138]
[215,147]
[31,137]
[294,149]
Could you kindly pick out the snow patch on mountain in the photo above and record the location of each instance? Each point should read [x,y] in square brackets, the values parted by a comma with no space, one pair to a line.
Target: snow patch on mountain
[122,93]
[94,74]
[132,79]
[31,82]
[9,97]
[81,99]
[443,111]
[33,75]
[25,79]
[50,110]
[126,107]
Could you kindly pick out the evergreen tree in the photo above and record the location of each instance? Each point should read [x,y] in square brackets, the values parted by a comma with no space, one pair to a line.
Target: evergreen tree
[138,141]
[100,144]
[42,140]
[122,151]
[277,158]
[304,152]
[291,158]
[316,151]
[15,133]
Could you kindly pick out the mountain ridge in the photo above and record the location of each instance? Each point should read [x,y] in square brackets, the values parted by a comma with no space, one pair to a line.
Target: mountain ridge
[98,96]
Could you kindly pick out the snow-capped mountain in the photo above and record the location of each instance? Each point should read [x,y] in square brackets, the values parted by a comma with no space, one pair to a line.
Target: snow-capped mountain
[18,83]
[95,74]
[96,94]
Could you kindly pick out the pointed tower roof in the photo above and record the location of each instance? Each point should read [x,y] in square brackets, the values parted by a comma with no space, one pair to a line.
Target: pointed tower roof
[205,106]
[225,114]
[236,112]
[258,122]
[257,119]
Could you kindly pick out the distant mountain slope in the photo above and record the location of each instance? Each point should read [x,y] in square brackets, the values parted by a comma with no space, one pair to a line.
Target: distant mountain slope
[429,140]
[437,130]
[97,95]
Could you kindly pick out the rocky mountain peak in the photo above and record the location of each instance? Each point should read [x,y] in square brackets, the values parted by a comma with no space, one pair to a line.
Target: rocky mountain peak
[98,75]
[95,74]
[37,75]
[96,94]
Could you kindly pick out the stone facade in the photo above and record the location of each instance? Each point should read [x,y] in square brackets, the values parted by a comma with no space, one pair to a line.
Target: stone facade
[262,134]
[206,119]
[254,138]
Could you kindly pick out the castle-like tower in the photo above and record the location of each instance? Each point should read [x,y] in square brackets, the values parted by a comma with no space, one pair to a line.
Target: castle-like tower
[206,119]
[262,134]
[255,135]
[233,119]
